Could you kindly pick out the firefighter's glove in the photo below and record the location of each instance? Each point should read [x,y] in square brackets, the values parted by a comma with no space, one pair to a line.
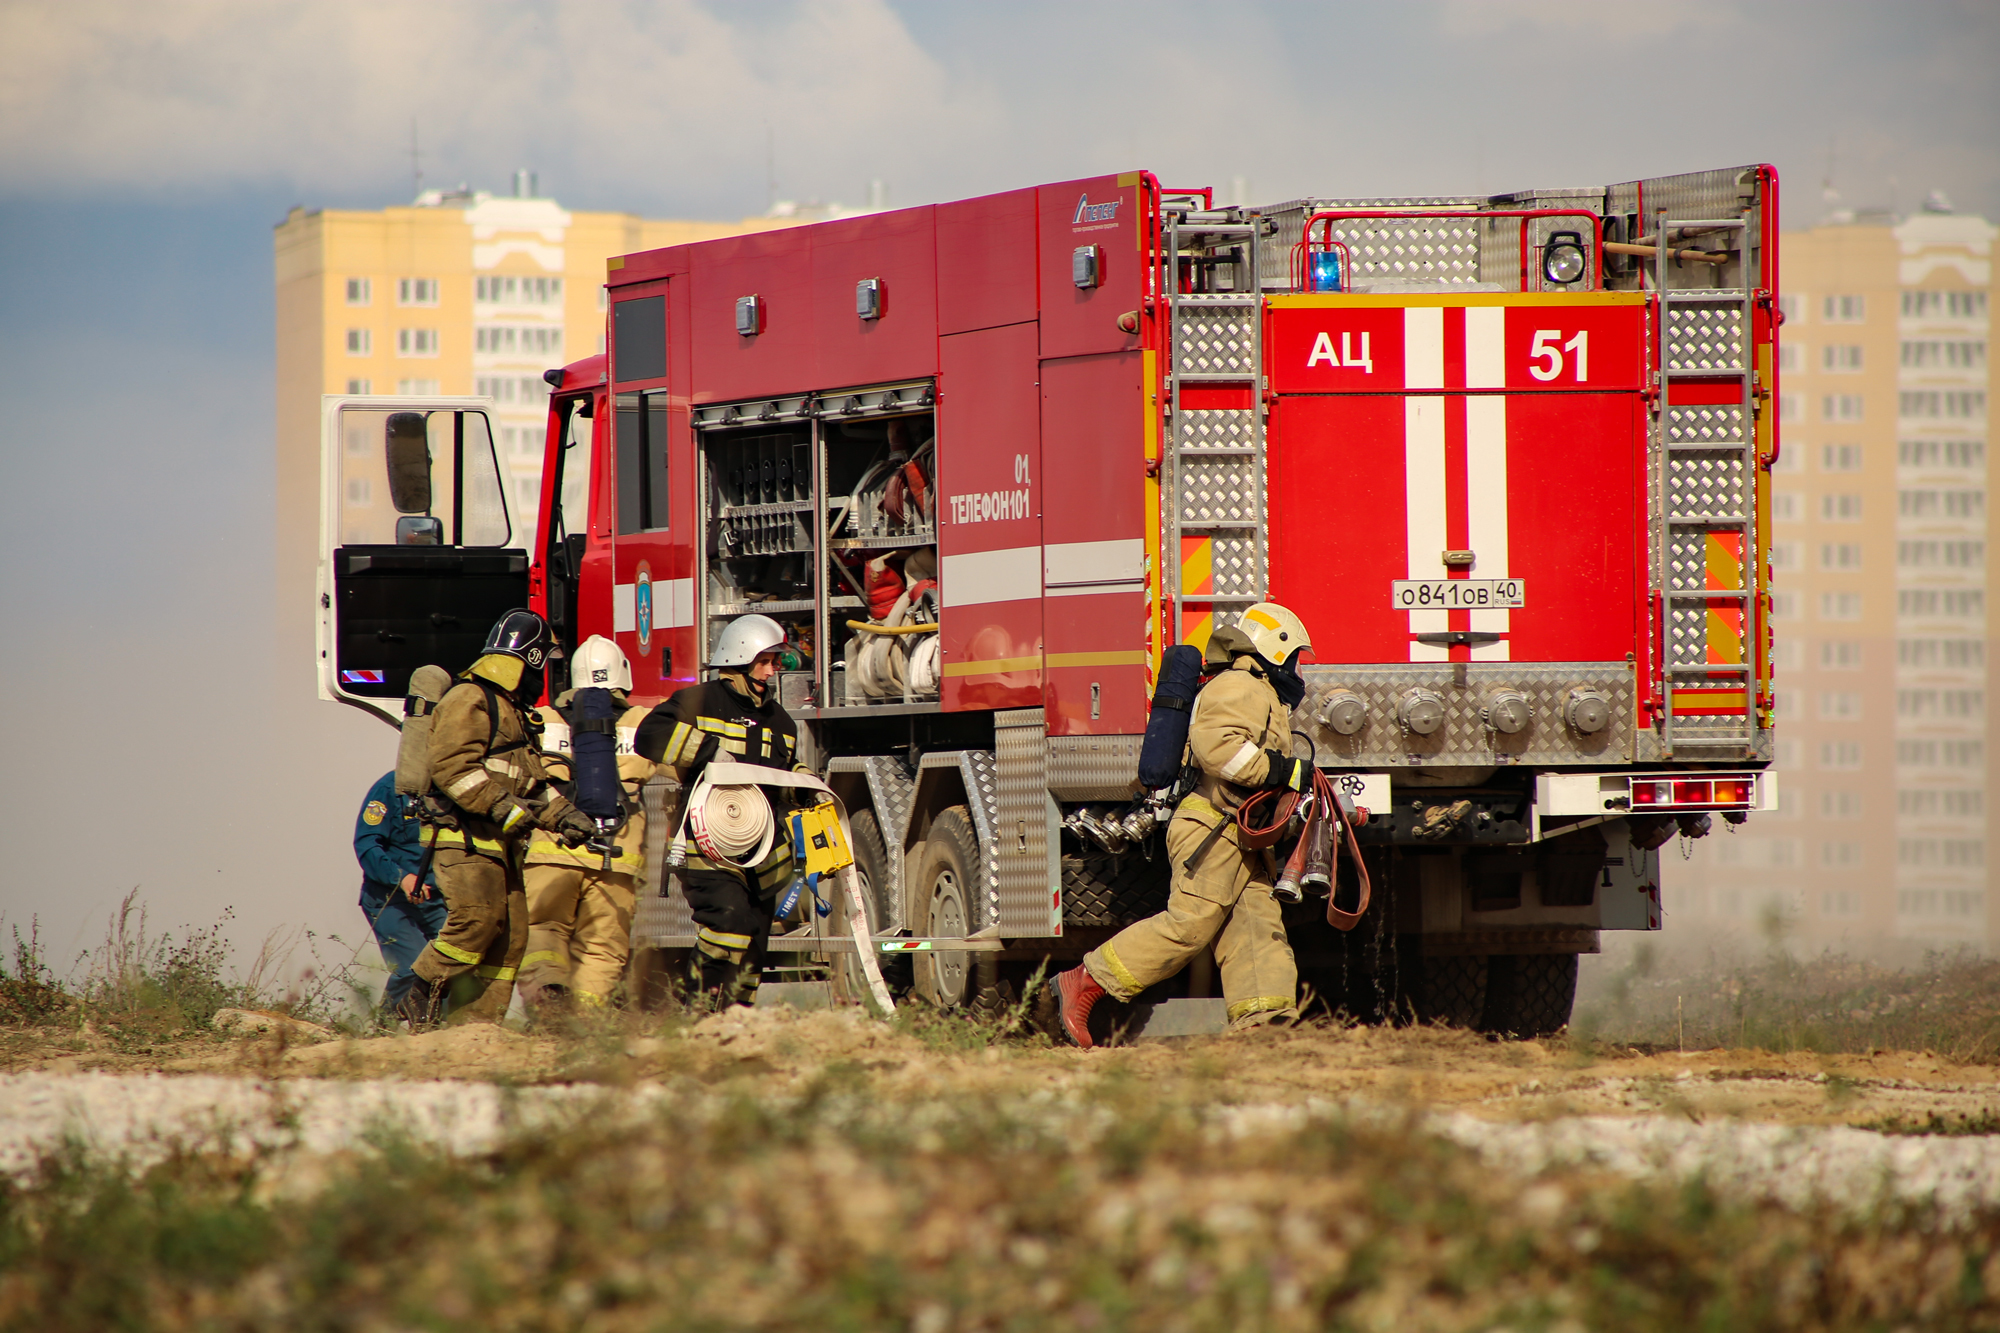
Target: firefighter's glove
[513,816]
[1286,773]
[570,825]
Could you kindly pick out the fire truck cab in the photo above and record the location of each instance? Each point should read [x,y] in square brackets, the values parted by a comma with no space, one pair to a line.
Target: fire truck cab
[984,460]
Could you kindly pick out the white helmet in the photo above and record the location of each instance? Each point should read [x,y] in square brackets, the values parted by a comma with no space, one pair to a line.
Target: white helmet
[1271,631]
[745,639]
[599,664]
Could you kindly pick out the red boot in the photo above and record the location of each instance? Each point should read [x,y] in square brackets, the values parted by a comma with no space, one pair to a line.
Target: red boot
[1077,992]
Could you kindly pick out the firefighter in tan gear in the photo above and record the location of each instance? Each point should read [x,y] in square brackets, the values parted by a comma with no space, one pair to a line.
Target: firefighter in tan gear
[580,915]
[734,717]
[488,791]
[1240,736]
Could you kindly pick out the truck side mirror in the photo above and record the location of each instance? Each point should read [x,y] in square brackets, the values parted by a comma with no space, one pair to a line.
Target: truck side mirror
[408,451]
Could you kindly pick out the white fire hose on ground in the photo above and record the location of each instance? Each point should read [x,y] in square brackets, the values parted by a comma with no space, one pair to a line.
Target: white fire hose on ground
[731,820]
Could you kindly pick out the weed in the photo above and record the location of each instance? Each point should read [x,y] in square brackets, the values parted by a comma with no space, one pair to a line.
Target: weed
[29,991]
[1964,1123]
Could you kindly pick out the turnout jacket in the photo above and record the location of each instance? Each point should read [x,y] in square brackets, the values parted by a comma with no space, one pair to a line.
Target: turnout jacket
[718,720]
[1237,718]
[486,765]
[629,858]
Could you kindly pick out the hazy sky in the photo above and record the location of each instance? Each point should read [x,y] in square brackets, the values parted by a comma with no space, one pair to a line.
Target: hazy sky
[146,149]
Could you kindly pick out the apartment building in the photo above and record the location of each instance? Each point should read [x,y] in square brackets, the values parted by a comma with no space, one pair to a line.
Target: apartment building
[460,292]
[1880,566]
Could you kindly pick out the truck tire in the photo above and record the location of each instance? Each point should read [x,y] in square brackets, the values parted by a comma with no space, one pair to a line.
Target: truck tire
[1529,995]
[1452,990]
[947,902]
[871,863]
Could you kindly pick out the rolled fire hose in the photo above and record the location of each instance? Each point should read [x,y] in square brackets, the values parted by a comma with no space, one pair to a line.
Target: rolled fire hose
[733,824]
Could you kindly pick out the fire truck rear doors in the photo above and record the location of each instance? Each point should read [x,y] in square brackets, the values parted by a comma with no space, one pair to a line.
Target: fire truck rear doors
[1460,478]
[419,555]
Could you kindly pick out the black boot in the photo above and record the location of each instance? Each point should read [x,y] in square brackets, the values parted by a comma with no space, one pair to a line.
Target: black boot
[422,1005]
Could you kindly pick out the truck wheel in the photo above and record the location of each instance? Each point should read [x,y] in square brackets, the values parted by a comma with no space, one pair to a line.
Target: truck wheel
[947,891]
[1529,995]
[871,863]
[1453,990]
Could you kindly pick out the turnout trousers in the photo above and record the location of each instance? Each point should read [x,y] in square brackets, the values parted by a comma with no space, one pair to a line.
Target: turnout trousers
[1225,901]
[732,924]
[579,930]
[485,933]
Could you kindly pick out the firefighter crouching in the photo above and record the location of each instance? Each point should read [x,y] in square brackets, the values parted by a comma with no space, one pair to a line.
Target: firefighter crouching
[488,789]
[580,914]
[1240,736]
[734,717]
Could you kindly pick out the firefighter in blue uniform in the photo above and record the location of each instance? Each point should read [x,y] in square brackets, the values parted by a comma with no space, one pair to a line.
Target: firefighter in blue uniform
[404,912]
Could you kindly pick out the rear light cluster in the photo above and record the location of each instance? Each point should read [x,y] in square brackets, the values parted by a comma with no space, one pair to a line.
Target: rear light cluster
[1693,793]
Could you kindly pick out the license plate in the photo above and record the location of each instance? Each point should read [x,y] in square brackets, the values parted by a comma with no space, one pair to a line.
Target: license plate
[1457,594]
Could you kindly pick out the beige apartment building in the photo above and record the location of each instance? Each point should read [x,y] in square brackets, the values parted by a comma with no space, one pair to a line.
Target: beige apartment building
[461,292]
[1880,566]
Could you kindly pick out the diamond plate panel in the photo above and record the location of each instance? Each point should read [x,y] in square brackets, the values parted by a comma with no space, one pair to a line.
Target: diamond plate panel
[1463,740]
[1707,738]
[1275,254]
[1215,339]
[1219,490]
[1431,250]
[1703,335]
[890,791]
[1706,483]
[979,775]
[1687,560]
[1198,428]
[1094,768]
[1694,194]
[1237,573]
[655,917]
[1687,635]
[1021,808]
[1719,424]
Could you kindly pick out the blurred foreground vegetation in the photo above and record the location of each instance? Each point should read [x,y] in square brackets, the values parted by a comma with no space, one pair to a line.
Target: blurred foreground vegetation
[1948,1005]
[843,1207]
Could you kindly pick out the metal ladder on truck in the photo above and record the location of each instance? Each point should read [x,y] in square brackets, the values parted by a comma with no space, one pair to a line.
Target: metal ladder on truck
[1214,488]
[1706,480]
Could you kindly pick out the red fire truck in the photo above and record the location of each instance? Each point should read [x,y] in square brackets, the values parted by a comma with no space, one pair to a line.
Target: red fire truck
[1505,456]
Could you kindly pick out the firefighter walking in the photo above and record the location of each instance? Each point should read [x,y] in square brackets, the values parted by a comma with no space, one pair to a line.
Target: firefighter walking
[736,716]
[488,791]
[580,913]
[1240,737]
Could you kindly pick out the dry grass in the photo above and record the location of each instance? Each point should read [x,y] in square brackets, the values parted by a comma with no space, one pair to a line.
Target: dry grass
[844,1207]
[1948,1006]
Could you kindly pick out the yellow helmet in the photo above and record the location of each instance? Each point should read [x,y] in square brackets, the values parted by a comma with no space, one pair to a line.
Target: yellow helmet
[1271,631]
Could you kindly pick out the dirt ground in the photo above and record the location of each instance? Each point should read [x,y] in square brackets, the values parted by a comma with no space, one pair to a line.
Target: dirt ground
[779,1048]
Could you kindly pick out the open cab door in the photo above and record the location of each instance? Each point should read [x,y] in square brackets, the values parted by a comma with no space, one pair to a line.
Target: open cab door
[417,553]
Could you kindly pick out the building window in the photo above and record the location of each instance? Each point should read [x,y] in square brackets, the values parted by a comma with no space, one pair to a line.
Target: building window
[360,492]
[1791,408]
[1786,654]
[359,291]
[1840,854]
[1949,654]
[1840,606]
[1941,453]
[1791,358]
[1843,309]
[1792,306]
[360,342]
[1840,508]
[1966,803]
[1964,504]
[1840,458]
[1840,805]
[1784,556]
[532,339]
[416,291]
[1784,605]
[1840,555]
[416,342]
[417,388]
[1840,407]
[1785,755]
[1785,506]
[1842,360]
[1840,755]
[1839,902]
[1955,405]
[359,386]
[1950,555]
[1935,354]
[1840,655]
[1839,706]
[502,289]
[1944,305]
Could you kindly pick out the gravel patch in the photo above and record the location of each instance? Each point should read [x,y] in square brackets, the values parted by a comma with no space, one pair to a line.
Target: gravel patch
[142,1118]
